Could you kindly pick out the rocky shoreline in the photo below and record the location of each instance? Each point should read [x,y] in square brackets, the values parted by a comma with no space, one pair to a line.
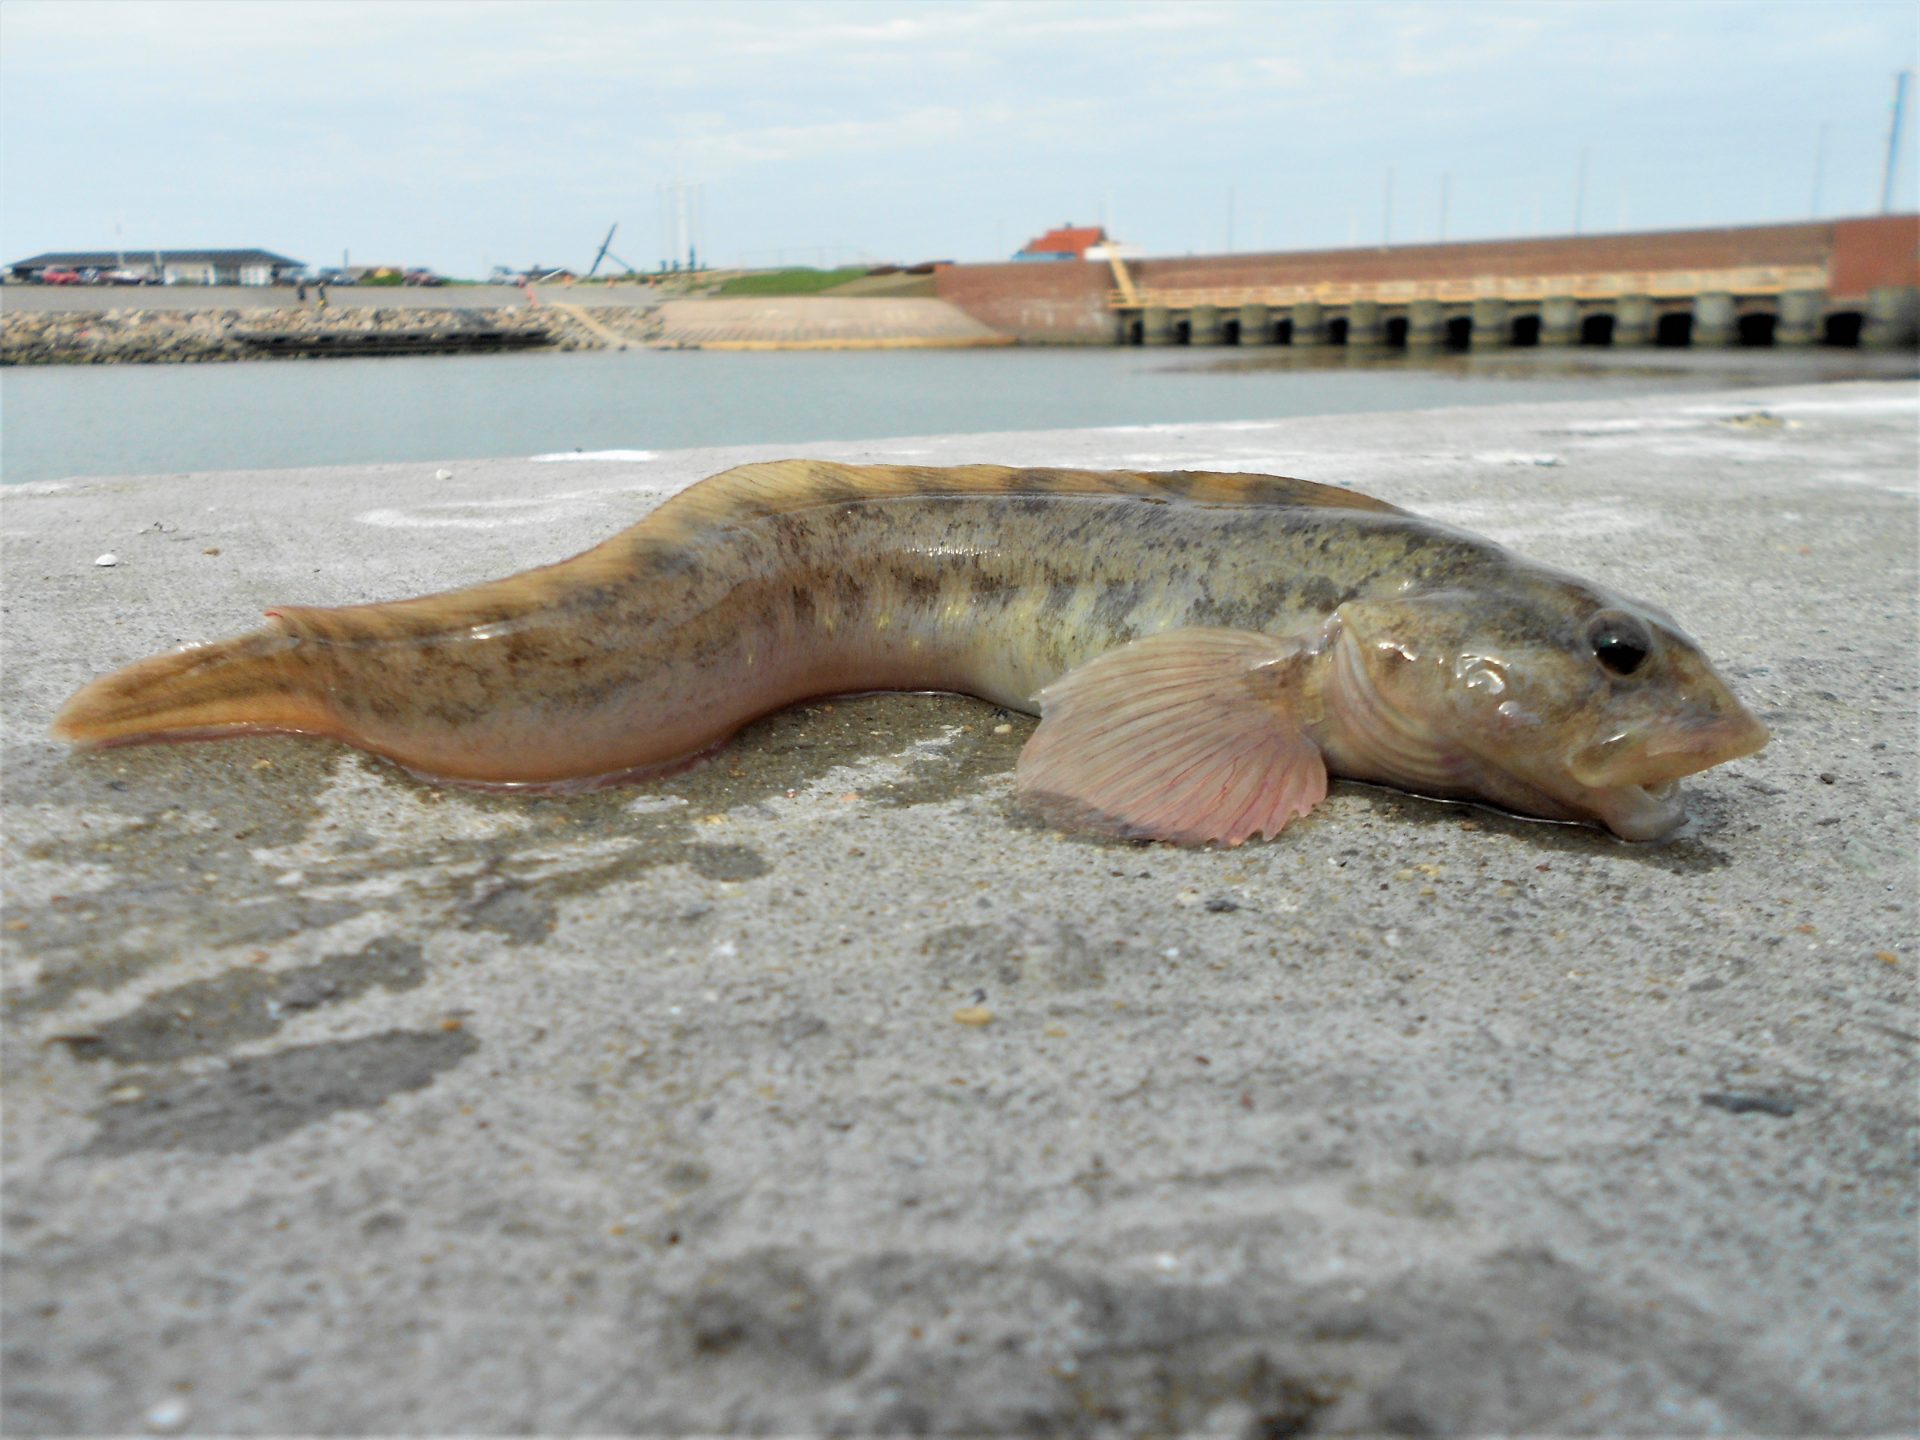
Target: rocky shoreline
[162,337]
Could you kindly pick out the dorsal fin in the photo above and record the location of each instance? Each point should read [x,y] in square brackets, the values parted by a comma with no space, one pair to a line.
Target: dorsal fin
[778,487]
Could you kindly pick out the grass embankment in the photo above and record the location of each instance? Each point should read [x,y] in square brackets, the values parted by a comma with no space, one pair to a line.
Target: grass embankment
[789,282]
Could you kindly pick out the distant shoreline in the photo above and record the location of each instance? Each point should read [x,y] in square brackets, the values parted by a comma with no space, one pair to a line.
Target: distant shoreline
[48,326]
[134,327]
[172,337]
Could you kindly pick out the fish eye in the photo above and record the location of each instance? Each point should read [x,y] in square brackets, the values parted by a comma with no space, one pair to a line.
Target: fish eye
[1620,642]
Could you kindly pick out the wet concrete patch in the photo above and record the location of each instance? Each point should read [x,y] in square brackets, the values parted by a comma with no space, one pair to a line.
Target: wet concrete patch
[732,863]
[1045,1348]
[1056,957]
[186,825]
[260,1099]
[243,1004]
[82,948]
[1037,1348]
[512,910]
[953,740]
[176,826]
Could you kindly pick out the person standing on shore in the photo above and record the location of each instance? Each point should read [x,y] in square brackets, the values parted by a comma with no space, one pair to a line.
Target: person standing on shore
[320,293]
[303,292]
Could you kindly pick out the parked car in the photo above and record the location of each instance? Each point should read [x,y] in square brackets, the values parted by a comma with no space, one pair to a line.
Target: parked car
[421,277]
[333,277]
[59,275]
[126,277]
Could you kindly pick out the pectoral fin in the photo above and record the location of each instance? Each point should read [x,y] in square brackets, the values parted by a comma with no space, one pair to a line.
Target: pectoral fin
[1188,736]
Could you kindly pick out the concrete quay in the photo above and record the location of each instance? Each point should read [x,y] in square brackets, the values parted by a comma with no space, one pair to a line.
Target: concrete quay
[338,1103]
[820,323]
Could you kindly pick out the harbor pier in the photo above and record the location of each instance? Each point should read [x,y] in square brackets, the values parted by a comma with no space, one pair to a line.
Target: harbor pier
[1851,283]
[1755,305]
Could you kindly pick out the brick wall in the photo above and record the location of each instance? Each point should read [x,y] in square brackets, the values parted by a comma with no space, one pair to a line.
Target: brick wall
[1571,254]
[1869,253]
[1065,302]
[1055,301]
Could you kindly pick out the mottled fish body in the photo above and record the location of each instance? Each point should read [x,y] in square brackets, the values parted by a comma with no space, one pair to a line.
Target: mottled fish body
[1203,648]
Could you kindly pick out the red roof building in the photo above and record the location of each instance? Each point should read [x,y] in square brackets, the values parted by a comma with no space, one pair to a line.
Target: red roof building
[1069,242]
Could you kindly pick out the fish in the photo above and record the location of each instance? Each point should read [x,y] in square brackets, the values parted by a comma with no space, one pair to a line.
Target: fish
[1205,651]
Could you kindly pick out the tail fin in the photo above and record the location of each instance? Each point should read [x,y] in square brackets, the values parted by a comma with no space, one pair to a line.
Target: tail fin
[252,682]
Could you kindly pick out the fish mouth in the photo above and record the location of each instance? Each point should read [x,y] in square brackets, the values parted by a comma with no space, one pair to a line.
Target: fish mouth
[1628,782]
[1638,812]
[1665,753]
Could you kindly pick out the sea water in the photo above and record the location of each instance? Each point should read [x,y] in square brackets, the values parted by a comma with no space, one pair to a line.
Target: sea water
[67,421]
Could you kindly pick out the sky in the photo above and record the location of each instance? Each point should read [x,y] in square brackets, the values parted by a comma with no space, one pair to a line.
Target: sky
[466,135]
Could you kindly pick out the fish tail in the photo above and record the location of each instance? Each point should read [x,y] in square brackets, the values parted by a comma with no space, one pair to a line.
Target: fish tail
[256,682]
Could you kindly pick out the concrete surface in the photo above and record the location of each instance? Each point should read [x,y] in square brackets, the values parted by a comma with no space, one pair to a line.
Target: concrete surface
[819,322]
[342,1104]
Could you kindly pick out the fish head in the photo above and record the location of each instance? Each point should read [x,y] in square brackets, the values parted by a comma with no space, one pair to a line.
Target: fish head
[1549,697]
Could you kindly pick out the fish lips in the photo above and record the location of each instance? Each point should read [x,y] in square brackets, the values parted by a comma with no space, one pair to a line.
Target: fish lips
[1665,751]
[1638,812]
[1628,780]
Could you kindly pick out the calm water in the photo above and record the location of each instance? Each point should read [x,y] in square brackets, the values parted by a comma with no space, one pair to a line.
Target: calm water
[62,421]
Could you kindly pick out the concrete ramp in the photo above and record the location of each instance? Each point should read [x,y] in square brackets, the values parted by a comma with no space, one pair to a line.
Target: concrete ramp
[821,323]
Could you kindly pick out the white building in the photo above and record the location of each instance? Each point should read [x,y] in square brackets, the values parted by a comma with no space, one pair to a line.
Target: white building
[172,267]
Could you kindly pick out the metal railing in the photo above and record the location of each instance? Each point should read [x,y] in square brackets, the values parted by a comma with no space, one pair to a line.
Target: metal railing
[1656,284]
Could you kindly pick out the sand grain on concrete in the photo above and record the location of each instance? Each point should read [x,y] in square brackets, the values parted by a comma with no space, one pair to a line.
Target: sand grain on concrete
[339,1103]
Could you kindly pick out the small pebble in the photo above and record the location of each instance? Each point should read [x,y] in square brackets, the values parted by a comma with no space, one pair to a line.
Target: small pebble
[1003,729]
[973,1015]
[126,1094]
[211,550]
[443,474]
[108,559]
[169,1414]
